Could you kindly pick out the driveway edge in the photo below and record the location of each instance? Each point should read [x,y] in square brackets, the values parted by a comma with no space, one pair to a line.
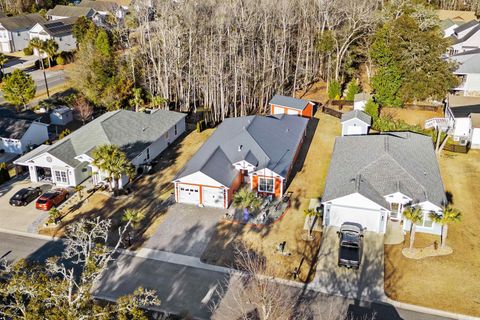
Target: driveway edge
[29,235]
[435,312]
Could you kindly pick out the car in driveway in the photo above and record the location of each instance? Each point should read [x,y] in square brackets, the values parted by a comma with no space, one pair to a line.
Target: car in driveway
[350,245]
[51,199]
[24,196]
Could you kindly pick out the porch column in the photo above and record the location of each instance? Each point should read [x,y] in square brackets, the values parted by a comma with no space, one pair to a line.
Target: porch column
[33,173]
[281,187]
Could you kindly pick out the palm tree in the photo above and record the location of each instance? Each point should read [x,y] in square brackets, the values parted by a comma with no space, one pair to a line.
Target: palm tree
[133,218]
[448,215]
[137,100]
[53,214]
[111,160]
[39,46]
[3,60]
[414,215]
[246,199]
[157,101]
[315,214]
[50,47]
[79,189]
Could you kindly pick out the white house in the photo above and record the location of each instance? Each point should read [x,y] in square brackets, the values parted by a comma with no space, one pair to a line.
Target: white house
[458,112]
[448,27]
[61,116]
[355,122]
[19,135]
[373,178]
[14,30]
[466,37]
[58,30]
[141,136]
[105,8]
[360,100]
[63,12]
[475,121]
[468,71]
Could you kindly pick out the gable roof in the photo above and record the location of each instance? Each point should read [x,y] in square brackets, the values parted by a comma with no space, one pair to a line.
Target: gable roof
[465,26]
[13,128]
[357,114]
[379,165]
[445,24]
[467,63]
[362,96]
[59,27]
[267,142]
[69,11]
[21,22]
[289,102]
[100,5]
[132,131]
[467,36]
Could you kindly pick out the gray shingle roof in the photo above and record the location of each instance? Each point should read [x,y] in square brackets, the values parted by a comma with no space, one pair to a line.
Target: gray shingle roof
[21,22]
[131,131]
[362,96]
[69,11]
[13,128]
[379,165]
[463,106]
[359,114]
[289,102]
[445,24]
[100,5]
[465,26]
[60,27]
[266,142]
[468,35]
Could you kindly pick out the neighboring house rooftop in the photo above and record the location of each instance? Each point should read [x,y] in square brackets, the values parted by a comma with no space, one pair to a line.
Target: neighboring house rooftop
[363,96]
[289,102]
[60,27]
[131,131]
[69,11]
[357,114]
[263,141]
[21,22]
[24,115]
[445,24]
[468,35]
[100,5]
[465,26]
[467,63]
[463,106]
[13,128]
[379,165]
[456,15]
[475,117]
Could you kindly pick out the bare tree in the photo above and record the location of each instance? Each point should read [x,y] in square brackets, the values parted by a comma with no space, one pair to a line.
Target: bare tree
[83,108]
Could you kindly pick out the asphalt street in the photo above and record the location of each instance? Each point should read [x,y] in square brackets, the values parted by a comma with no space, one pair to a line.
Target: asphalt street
[179,287]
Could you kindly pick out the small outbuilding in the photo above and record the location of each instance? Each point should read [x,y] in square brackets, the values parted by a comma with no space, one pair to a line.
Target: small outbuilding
[355,122]
[61,116]
[360,100]
[293,106]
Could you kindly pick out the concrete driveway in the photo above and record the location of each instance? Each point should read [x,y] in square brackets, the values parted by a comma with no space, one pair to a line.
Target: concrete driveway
[186,230]
[366,283]
[23,219]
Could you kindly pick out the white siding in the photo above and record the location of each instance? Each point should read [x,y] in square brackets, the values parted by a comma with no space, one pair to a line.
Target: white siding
[354,127]
[426,207]
[36,134]
[476,138]
[462,128]
[359,105]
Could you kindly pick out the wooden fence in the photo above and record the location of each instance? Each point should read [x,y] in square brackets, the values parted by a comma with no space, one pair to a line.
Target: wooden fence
[423,107]
[332,112]
[456,148]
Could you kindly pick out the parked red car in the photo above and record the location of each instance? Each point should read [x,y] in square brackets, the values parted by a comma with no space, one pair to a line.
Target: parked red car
[51,198]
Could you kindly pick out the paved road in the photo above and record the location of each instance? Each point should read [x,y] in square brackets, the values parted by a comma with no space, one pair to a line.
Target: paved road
[179,287]
[54,78]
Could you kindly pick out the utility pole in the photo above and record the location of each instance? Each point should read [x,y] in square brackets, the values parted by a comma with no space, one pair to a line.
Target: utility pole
[44,75]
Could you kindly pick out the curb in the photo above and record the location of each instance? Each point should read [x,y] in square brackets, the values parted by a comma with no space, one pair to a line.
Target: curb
[435,312]
[29,235]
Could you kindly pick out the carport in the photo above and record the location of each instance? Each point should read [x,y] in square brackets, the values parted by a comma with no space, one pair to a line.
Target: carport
[366,283]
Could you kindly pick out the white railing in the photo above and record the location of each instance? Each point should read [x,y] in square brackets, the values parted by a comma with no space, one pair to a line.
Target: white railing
[441,123]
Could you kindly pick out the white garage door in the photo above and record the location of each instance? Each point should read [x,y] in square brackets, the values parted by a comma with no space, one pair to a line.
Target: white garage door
[368,219]
[352,130]
[278,110]
[476,138]
[294,112]
[213,197]
[188,194]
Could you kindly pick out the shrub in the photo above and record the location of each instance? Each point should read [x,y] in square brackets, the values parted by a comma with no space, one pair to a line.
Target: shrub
[334,90]
[28,51]
[60,60]
[352,89]
[200,126]
[4,175]
[64,133]
[371,108]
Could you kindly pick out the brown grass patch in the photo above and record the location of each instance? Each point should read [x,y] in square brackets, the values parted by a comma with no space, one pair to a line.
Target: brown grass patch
[447,282]
[413,117]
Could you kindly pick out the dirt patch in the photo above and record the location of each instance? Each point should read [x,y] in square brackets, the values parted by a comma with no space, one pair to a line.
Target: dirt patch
[446,282]
[427,252]
[316,92]
[308,182]
[413,117]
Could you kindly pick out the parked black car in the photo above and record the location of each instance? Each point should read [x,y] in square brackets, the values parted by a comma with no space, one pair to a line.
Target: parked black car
[25,196]
[350,249]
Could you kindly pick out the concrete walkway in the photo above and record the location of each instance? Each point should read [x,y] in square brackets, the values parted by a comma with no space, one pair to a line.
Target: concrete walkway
[394,233]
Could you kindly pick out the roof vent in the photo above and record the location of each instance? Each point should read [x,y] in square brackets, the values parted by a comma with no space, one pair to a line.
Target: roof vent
[143,129]
[287,130]
[240,148]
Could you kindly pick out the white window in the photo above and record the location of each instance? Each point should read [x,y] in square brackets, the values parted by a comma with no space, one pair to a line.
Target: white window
[61,177]
[266,184]
[427,222]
